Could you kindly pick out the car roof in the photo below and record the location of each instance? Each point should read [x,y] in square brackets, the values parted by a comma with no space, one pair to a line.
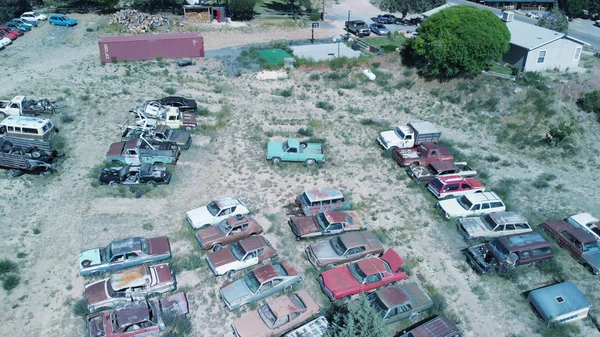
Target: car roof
[238,219]
[320,194]
[126,245]
[507,217]
[354,239]
[24,121]
[372,266]
[337,216]
[283,305]
[133,277]
[393,296]
[483,196]
[269,271]
[135,313]
[227,202]
[437,327]
[531,240]
[253,243]
[582,218]
[443,165]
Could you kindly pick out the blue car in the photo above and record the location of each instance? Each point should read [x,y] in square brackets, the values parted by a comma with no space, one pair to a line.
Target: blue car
[23,28]
[24,22]
[62,20]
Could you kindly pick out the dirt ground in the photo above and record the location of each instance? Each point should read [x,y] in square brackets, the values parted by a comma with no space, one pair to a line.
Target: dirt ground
[51,218]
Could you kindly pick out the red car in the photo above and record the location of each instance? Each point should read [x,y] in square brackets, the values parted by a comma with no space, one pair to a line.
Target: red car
[454,186]
[362,276]
[138,319]
[7,33]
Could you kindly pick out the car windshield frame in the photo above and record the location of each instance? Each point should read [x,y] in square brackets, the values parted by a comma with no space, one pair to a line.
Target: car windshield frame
[399,132]
[437,184]
[304,199]
[252,282]
[591,247]
[224,227]
[377,304]
[499,249]
[237,251]
[267,316]
[464,202]
[322,221]
[488,222]
[168,133]
[213,209]
[338,246]
[284,146]
[357,273]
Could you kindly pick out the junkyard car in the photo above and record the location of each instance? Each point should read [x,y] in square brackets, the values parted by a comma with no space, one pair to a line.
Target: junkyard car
[319,200]
[25,22]
[14,25]
[33,16]
[508,252]
[145,173]
[277,316]
[493,225]
[215,212]
[581,244]
[61,20]
[137,319]
[587,222]
[388,18]
[227,231]
[122,254]
[184,104]
[347,247]
[260,283]
[326,223]
[240,255]
[426,173]
[440,326]
[454,186]
[4,42]
[362,276]
[318,327]
[134,284]
[379,29]
[399,302]
[471,205]
[293,150]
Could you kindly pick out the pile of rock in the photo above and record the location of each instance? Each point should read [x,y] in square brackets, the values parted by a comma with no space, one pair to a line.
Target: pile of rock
[134,21]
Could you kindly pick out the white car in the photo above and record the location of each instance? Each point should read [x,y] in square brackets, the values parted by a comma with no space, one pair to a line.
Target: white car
[471,205]
[215,212]
[587,222]
[4,42]
[493,225]
[33,16]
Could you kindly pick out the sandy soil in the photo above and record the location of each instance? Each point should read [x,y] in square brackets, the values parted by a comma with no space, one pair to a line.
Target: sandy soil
[72,214]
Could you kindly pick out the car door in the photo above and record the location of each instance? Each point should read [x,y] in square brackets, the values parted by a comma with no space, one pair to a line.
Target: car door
[292,154]
[132,259]
[224,213]
[250,259]
[334,228]
[354,253]
[372,282]
[237,231]
[485,208]
[117,262]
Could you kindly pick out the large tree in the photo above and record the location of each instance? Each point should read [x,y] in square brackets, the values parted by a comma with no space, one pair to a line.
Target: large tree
[554,20]
[574,8]
[460,40]
[409,6]
[358,319]
[12,8]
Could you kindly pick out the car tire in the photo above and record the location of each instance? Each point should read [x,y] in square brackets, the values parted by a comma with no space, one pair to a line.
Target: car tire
[310,162]
[2,115]
[230,273]
[276,160]
[216,247]
[287,289]
[151,183]
[346,299]
[96,273]
[112,183]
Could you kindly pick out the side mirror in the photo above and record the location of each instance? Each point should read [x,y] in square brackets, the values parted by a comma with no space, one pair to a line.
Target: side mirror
[512,260]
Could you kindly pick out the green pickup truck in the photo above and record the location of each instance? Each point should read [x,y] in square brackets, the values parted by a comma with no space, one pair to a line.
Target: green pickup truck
[295,150]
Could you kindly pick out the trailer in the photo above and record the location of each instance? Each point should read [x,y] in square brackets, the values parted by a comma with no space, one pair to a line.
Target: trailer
[21,159]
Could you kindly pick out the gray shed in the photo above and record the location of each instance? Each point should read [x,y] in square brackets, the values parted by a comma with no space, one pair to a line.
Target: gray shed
[560,303]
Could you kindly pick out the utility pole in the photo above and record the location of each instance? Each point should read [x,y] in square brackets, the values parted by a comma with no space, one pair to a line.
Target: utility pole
[323,14]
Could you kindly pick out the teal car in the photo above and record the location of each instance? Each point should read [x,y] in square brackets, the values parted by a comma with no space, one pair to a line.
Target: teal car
[62,20]
[295,151]
[15,25]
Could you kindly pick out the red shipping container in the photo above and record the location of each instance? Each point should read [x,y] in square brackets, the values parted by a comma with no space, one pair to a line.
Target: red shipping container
[149,47]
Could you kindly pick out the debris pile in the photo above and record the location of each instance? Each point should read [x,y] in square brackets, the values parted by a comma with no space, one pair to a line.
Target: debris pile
[134,21]
[197,17]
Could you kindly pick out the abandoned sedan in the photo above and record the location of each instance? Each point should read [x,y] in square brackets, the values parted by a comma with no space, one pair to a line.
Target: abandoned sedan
[240,255]
[426,173]
[471,205]
[327,223]
[122,254]
[318,200]
[493,225]
[362,276]
[215,212]
[227,231]
[454,186]
[260,283]
[145,173]
[581,244]
[399,302]
[347,247]
[277,316]
[184,104]
[137,319]
[135,284]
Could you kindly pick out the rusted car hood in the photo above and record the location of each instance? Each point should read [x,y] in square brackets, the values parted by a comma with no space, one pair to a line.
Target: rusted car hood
[177,304]
[159,246]
[305,224]
[250,325]
[324,252]
[393,259]
[163,273]
[180,137]
[235,292]
[115,149]
[474,226]
[339,279]
[96,293]
[209,234]
[221,257]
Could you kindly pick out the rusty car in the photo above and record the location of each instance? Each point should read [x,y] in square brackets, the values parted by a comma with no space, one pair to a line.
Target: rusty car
[326,223]
[493,225]
[215,212]
[123,254]
[277,316]
[144,174]
[227,231]
[581,244]
[399,302]
[586,221]
[439,326]
[240,255]
[454,186]
[426,173]
[134,284]
[318,200]
[260,283]
[471,205]
[424,154]
[347,247]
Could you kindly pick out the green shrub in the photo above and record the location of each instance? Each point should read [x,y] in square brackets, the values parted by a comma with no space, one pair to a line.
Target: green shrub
[308,132]
[589,101]
[325,106]
[170,90]
[284,92]
[7,266]
[405,84]
[314,77]
[439,304]
[202,111]
[10,282]
[80,308]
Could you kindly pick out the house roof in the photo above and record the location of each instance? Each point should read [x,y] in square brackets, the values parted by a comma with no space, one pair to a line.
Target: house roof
[529,36]
[437,9]
[557,300]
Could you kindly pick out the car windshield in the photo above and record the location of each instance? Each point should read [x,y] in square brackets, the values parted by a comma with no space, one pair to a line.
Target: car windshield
[285,146]
[338,246]
[437,184]
[252,282]
[237,251]
[399,133]
[144,243]
[488,222]
[267,316]
[304,199]
[322,220]
[224,227]
[464,202]
[499,249]
[591,247]
[213,208]
[358,274]
[377,304]
[109,288]
[124,171]
[168,133]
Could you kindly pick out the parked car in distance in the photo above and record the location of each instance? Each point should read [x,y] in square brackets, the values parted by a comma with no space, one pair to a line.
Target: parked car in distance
[148,174]
[379,29]
[586,221]
[426,173]
[123,254]
[399,302]
[62,20]
[347,247]
[4,42]
[277,316]
[14,25]
[326,223]
[388,19]
[33,16]
[215,212]
[471,205]
[135,284]
[454,186]
[493,225]
[232,229]
[358,28]
[185,63]
[293,150]
[240,255]
[362,276]
[25,22]
[423,154]
[260,283]
[318,327]
[532,15]
[319,200]
[143,318]
[409,136]
[9,34]
[509,252]
[581,244]
[184,104]
[440,326]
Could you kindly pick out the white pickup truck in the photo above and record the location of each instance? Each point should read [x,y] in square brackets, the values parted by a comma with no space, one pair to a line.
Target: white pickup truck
[406,137]
[21,105]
